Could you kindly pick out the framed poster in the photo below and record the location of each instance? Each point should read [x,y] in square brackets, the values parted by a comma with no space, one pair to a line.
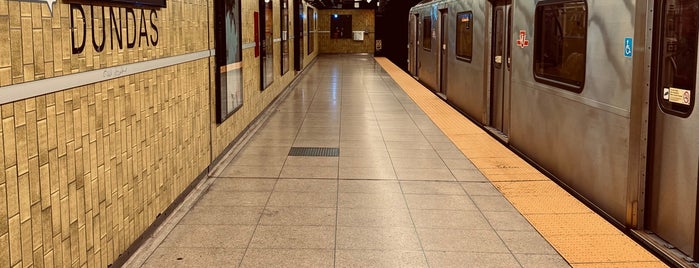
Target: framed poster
[266,44]
[229,59]
[340,26]
[285,35]
[311,28]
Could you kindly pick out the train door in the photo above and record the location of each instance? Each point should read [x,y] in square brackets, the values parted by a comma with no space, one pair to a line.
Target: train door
[443,55]
[500,66]
[673,165]
[413,44]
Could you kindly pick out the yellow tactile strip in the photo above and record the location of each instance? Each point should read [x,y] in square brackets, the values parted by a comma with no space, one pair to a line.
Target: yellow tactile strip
[581,236]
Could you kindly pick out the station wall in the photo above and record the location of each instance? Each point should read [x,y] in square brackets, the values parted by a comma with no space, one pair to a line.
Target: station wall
[362,20]
[105,125]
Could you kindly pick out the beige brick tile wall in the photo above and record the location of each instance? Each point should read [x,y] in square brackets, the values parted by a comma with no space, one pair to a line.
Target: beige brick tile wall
[362,20]
[84,171]
[35,44]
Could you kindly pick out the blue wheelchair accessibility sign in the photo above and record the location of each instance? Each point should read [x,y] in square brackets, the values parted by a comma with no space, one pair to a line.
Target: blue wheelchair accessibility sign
[628,47]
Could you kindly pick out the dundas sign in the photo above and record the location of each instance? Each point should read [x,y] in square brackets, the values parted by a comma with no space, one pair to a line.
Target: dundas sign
[124,26]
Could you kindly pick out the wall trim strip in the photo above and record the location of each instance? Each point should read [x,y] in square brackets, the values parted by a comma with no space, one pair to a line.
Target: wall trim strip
[31,89]
[248,45]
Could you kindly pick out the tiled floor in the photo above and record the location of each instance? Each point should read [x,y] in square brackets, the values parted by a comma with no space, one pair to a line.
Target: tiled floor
[400,194]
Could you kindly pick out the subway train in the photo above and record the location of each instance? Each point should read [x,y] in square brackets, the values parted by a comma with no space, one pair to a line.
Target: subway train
[598,94]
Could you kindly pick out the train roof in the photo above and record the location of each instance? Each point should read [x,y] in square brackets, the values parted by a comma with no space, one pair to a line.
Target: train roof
[426,3]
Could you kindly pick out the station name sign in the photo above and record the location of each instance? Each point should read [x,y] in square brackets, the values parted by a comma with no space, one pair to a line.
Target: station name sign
[113,28]
[123,3]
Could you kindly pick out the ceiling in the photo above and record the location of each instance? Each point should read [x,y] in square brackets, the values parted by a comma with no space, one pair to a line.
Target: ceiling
[329,4]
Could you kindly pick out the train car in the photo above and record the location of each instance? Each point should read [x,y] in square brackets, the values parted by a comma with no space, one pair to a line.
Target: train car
[598,93]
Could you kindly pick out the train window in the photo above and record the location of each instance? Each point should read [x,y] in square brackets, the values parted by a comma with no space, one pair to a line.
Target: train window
[560,43]
[678,57]
[427,33]
[464,36]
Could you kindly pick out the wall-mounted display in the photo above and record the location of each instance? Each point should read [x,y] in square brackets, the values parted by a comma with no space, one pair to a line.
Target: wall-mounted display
[311,29]
[340,26]
[266,44]
[285,35]
[229,60]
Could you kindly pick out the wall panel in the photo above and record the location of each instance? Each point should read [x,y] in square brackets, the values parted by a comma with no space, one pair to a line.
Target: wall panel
[362,20]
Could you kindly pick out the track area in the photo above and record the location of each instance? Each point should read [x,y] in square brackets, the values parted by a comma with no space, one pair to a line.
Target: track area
[581,236]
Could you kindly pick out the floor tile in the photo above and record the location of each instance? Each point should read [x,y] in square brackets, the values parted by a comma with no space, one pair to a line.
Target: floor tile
[306,185]
[222,215]
[234,199]
[306,172]
[418,163]
[258,160]
[468,259]
[294,237]
[468,175]
[526,242]
[194,257]
[493,203]
[268,150]
[209,236]
[252,171]
[300,199]
[485,241]
[369,161]
[423,146]
[534,260]
[367,173]
[298,216]
[325,143]
[453,153]
[403,238]
[243,185]
[459,163]
[452,219]
[431,187]
[507,221]
[365,200]
[431,174]
[448,202]
[480,188]
[369,186]
[374,217]
[380,258]
[288,258]
[307,161]
[363,152]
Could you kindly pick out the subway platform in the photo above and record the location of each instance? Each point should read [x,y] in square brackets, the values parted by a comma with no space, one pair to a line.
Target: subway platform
[360,166]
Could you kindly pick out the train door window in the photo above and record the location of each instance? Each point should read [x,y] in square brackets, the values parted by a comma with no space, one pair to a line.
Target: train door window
[560,45]
[464,36]
[427,33]
[678,56]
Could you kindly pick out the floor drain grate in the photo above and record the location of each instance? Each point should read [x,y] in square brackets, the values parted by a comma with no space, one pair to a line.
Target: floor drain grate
[314,151]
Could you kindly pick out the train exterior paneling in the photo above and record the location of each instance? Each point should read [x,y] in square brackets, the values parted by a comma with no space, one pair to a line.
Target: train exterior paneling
[428,54]
[466,79]
[591,134]
[582,138]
